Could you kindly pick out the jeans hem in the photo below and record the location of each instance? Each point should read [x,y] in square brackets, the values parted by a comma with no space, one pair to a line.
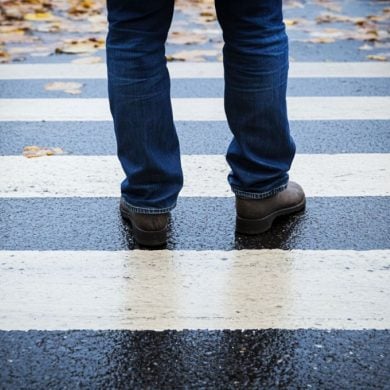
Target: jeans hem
[258,195]
[147,210]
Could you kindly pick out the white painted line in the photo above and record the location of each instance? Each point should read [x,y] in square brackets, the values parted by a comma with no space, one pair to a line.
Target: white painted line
[195,109]
[192,70]
[204,175]
[246,289]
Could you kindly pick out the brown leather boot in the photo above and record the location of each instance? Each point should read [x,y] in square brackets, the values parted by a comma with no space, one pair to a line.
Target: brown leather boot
[148,229]
[256,216]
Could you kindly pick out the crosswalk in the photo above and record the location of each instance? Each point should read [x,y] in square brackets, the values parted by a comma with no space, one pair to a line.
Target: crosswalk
[197,109]
[67,260]
[185,70]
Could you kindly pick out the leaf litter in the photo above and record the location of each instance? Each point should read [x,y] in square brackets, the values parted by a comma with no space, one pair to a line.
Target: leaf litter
[79,28]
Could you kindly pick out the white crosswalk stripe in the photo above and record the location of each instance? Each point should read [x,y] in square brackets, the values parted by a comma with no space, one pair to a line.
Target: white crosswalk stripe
[196,109]
[249,289]
[205,175]
[190,70]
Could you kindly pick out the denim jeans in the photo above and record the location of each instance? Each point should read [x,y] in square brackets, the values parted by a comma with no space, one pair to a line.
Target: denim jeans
[255,60]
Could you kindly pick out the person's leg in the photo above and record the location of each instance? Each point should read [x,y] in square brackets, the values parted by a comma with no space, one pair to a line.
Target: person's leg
[139,97]
[255,57]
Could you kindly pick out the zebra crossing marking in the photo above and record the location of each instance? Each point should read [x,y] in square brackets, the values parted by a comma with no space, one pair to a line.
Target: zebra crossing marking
[195,109]
[173,290]
[204,175]
[188,70]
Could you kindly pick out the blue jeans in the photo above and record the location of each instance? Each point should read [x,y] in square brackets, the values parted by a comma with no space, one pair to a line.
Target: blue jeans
[255,59]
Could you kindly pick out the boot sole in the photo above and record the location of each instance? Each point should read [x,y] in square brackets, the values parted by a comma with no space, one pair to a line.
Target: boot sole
[257,226]
[145,237]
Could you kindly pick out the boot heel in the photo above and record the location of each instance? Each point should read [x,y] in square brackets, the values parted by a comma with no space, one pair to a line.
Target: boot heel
[150,238]
[253,226]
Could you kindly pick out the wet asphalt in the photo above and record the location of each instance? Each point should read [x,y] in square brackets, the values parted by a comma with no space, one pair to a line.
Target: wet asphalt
[196,137]
[224,359]
[359,223]
[256,359]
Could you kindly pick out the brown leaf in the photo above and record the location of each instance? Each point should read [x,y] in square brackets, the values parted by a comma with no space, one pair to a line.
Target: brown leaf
[4,56]
[80,7]
[15,26]
[332,18]
[192,55]
[40,151]
[207,16]
[89,45]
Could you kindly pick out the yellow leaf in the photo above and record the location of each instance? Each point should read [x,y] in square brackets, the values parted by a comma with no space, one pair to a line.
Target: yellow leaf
[39,151]
[377,57]
[39,16]
[290,22]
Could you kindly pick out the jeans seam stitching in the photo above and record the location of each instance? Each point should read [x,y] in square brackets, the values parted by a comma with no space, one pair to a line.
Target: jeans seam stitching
[148,210]
[258,195]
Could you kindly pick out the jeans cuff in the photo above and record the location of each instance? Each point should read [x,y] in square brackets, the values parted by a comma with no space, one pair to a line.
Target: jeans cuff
[147,210]
[258,195]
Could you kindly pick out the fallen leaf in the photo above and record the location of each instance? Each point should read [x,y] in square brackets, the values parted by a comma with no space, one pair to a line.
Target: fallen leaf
[207,16]
[39,16]
[39,151]
[89,45]
[377,57]
[290,22]
[4,56]
[192,55]
[80,7]
[68,87]
[14,27]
